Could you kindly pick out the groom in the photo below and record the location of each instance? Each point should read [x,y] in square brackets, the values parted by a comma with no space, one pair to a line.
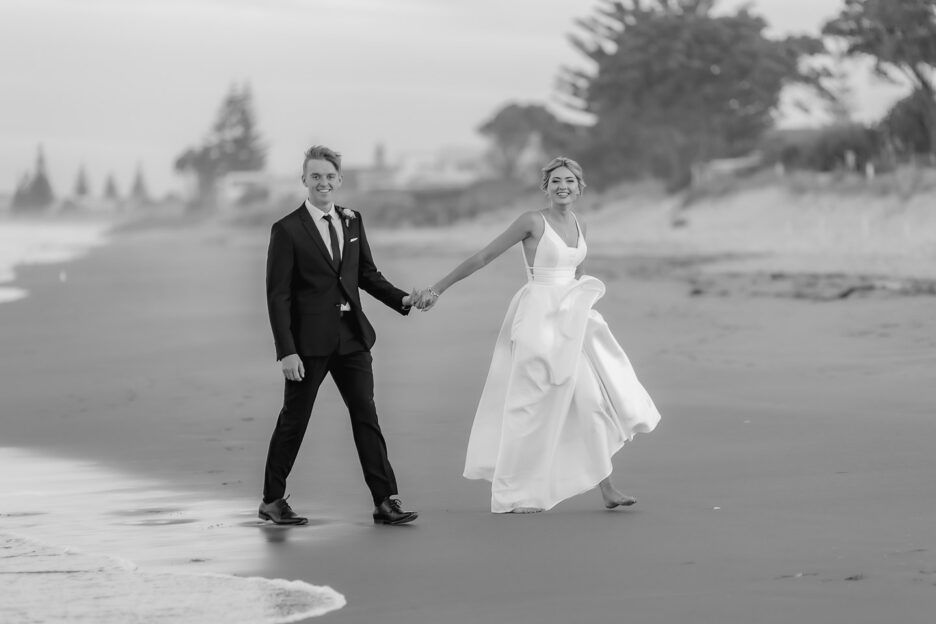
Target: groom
[317,260]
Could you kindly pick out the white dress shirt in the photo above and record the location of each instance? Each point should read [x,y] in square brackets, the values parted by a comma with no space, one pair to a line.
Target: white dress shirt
[318,217]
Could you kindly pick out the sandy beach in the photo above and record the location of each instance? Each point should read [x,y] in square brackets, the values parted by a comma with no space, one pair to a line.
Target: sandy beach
[791,479]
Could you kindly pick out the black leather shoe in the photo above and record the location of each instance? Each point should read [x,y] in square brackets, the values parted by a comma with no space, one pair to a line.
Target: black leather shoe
[279,512]
[389,512]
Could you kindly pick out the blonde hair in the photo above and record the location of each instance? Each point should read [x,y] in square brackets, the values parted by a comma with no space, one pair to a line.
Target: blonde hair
[568,163]
[320,152]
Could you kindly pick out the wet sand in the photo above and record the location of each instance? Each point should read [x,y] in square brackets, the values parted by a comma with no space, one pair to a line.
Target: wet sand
[790,480]
[48,584]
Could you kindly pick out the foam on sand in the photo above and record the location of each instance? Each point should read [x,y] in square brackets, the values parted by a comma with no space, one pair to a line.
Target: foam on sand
[70,528]
[45,583]
[43,242]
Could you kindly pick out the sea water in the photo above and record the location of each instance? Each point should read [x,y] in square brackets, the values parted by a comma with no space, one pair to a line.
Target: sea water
[43,241]
[83,542]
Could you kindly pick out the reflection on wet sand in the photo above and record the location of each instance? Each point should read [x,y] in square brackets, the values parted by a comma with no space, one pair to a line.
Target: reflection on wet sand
[74,527]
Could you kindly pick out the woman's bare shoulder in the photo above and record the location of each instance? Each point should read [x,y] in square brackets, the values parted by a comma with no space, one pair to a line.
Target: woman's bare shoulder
[532,222]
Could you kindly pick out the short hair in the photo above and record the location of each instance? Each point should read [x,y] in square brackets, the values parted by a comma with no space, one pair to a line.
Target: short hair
[320,152]
[562,161]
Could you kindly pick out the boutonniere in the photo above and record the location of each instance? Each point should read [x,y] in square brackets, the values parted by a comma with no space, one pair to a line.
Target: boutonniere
[347,215]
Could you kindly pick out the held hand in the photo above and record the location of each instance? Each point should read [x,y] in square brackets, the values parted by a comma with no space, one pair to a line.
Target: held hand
[293,369]
[410,299]
[417,299]
[427,299]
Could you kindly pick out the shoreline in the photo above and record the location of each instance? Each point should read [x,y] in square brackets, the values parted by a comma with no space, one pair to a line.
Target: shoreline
[774,238]
[86,550]
[37,240]
[107,590]
[706,270]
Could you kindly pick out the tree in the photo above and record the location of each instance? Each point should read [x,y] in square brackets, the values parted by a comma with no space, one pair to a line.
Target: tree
[235,133]
[674,85]
[34,192]
[204,162]
[20,199]
[81,184]
[901,38]
[110,189]
[840,103]
[516,129]
[139,192]
[905,125]
[233,144]
[41,189]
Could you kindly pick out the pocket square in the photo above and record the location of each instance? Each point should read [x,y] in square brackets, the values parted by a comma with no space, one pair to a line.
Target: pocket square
[353,239]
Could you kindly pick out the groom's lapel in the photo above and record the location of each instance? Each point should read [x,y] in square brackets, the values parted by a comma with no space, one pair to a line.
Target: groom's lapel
[347,226]
[313,231]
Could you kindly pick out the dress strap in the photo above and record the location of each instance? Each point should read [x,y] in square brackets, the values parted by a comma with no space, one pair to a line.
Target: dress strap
[526,262]
[578,229]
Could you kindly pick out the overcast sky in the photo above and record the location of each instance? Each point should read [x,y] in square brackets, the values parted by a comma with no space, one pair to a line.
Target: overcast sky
[113,83]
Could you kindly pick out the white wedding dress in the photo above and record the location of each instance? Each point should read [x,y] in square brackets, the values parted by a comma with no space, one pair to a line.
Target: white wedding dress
[561,397]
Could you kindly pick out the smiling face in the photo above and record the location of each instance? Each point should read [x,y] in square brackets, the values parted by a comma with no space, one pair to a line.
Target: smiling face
[322,179]
[562,186]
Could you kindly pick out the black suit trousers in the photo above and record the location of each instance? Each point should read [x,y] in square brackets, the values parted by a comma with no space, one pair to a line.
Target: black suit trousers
[351,366]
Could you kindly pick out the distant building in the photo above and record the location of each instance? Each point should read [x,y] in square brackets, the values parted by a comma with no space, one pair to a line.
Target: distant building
[450,167]
[444,169]
[244,188]
[376,177]
[727,167]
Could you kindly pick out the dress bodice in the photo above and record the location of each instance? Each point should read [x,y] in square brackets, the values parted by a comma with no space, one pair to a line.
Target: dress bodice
[554,262]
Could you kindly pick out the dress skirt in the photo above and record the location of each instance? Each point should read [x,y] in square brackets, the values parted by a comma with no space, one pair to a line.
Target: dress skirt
[561,398]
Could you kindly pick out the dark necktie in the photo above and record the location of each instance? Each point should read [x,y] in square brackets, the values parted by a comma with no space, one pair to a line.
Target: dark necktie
[335,249]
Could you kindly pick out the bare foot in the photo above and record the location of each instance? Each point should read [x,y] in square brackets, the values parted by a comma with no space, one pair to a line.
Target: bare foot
[526,510]
[612,497]
[619,500]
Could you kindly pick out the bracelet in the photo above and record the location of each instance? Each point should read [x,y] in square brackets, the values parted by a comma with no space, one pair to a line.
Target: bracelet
[433,292]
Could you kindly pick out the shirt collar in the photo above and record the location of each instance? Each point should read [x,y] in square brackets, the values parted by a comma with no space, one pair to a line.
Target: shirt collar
[317,213]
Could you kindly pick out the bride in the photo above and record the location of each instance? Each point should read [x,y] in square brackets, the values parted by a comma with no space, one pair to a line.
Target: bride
[561,397]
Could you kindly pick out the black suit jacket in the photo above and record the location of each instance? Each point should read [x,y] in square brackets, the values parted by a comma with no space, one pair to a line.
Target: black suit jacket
[304,289]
